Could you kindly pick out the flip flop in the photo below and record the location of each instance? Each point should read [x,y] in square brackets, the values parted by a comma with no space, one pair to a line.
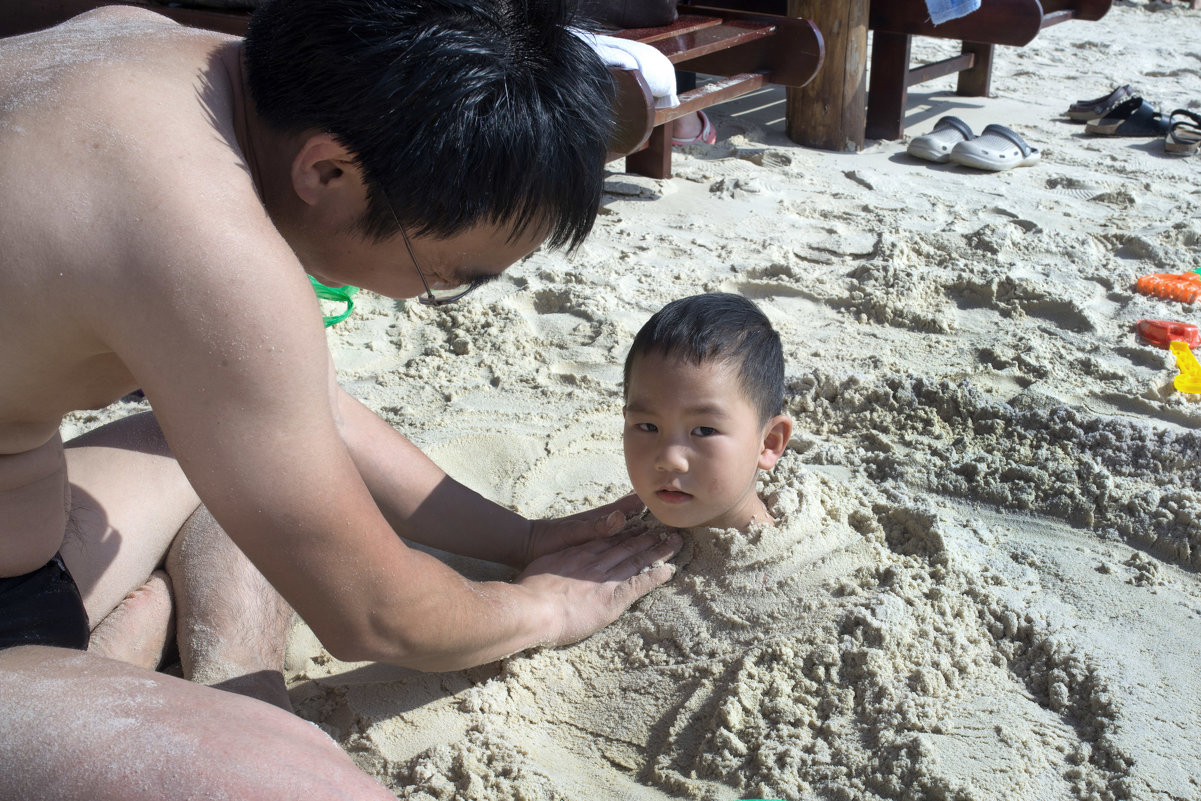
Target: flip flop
[1184,135]
[997,148]
[1133,117]
[707,136]
[936,146]
[1085,110]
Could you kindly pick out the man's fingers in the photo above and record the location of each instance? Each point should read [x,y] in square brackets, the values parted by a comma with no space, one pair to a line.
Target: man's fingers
[618,512]
[641,583]
[629,504]
[612,523]
[628,557]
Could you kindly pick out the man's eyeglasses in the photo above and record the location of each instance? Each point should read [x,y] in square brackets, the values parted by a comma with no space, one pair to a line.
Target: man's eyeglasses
[434,296]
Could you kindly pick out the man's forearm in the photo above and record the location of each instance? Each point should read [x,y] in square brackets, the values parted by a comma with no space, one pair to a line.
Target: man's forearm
[419,500]
[443,621]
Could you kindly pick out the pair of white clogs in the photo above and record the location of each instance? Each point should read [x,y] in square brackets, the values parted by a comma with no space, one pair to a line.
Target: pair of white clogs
[996,148]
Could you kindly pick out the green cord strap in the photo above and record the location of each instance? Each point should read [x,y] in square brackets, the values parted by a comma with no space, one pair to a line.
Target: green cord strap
[343,294]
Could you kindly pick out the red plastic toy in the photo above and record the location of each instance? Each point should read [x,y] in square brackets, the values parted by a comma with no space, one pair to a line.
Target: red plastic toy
[1162,332]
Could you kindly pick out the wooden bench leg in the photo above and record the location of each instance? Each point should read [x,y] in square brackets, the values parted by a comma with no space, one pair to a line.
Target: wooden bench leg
[889,85]
[977,81]
[829,111]
[654,160]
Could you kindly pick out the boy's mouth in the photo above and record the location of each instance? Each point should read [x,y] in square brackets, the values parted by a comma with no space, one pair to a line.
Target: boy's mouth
[672,496]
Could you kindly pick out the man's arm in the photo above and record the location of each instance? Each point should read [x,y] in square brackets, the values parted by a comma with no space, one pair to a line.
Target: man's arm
[451,517]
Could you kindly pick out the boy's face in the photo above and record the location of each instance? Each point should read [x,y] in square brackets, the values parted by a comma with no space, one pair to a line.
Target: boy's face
[693,443]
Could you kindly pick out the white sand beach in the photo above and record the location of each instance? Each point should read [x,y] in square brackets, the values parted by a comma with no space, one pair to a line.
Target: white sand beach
[984,584]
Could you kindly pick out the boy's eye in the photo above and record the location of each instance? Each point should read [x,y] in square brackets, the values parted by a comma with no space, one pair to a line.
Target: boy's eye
[649,428]
[703,431]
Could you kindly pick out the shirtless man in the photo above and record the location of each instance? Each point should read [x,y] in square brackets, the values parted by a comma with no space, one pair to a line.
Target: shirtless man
[164,191]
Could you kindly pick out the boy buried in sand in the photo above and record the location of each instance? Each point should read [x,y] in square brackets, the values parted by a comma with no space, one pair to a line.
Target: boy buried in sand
[704,387]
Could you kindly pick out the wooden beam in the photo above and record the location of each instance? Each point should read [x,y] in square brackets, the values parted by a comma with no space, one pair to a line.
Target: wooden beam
[830,111]
[1007,22]
[976,80]
[885,116]
[654,160]
[937,69]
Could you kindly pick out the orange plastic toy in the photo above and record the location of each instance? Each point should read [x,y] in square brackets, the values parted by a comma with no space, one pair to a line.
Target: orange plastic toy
[1189,379]
[1184,287]
[1161,332]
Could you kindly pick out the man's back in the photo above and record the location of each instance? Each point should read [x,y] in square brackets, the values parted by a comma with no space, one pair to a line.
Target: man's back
[106,122]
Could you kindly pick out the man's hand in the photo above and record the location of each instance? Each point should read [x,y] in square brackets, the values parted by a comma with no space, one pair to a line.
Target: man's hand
[550,536]
[588,586]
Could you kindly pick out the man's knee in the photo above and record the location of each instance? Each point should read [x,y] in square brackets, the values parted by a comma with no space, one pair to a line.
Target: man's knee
[76,726]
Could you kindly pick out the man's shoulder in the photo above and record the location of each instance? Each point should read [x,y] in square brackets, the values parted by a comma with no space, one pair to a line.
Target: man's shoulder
[120,15]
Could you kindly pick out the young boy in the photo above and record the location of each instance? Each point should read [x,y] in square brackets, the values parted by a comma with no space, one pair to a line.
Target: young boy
[704,387]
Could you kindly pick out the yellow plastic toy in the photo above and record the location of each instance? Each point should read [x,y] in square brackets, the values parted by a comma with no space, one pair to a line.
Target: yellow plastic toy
[1189,379]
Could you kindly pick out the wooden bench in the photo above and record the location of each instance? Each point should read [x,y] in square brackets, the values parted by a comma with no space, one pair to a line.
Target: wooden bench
[745,51]
[997,22]
[836,112]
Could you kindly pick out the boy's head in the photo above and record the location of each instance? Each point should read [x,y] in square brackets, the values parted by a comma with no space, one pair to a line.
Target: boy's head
[459,113]
[704,388]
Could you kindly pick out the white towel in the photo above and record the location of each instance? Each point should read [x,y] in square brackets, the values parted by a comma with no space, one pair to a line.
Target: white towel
[659,73]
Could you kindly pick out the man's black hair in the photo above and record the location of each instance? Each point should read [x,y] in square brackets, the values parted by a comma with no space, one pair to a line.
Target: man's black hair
[719,327]
[460,113]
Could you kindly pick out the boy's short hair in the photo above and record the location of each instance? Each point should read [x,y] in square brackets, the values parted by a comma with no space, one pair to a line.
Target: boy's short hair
[719,327]
[459,112]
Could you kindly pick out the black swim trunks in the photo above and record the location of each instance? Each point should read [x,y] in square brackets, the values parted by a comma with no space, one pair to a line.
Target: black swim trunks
[43,608]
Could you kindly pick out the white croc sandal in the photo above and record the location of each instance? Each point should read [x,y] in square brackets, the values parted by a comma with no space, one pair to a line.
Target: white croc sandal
[997,148]
[937,145]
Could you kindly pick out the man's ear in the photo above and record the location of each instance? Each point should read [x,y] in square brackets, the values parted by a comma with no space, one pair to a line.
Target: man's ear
[324,171]
[776,434]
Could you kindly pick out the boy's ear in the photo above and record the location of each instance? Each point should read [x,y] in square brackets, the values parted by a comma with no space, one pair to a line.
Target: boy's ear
[776,434]
[325,175]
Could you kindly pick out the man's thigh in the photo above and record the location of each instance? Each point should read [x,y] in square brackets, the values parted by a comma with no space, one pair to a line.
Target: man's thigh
[129,498]
[77,726]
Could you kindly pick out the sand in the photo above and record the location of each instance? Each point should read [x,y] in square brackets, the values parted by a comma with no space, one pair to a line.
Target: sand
[984,582]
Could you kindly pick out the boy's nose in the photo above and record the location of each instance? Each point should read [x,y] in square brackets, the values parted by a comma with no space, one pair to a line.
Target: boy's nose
[671,457]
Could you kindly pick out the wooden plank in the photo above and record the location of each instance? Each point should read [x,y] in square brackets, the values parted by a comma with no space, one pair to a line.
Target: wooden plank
[752,6]
[1081,9]
[1093,10]
[791,56]
[685,24]
[830,111]
[1056,17]
[1007,22]
[689,46]
[937,69]
[710,94]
